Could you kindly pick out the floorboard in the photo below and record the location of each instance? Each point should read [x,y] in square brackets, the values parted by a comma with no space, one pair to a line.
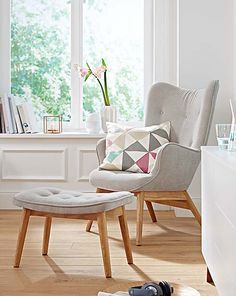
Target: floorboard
[171,251]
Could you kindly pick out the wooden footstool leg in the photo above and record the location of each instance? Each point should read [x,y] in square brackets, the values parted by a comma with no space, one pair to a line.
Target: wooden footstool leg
[125,235]
[90,223]
[46,235]
[21,236]
[102,228]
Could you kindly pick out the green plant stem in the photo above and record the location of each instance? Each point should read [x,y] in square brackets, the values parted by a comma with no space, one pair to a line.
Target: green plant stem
[103,92]
[106,89]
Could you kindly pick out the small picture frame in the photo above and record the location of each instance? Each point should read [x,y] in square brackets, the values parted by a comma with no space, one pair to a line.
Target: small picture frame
[52,124]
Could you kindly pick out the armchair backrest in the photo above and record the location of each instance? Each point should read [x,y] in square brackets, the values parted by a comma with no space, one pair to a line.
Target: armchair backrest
[189,111]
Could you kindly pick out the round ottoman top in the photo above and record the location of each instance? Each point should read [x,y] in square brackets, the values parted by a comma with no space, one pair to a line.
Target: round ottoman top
[59,201]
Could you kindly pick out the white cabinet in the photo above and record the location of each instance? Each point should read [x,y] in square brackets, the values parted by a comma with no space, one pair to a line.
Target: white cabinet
[219,217]
[63,160]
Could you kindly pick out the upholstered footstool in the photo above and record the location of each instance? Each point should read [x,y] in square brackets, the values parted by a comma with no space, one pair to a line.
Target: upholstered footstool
[56,203]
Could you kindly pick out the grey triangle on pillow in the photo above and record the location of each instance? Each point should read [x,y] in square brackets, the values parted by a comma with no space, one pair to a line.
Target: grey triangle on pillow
[127,162]
[136,147]
[162,133]
[154,143]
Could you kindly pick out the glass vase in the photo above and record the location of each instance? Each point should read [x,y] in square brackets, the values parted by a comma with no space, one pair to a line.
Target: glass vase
[108,114]
[232,137]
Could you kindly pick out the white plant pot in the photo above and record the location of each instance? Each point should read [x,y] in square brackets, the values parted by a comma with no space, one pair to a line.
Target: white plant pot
[93,123]
[108,114]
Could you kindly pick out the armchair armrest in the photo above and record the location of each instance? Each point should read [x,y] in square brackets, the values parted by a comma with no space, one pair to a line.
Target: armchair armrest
[174,168]
[101,150]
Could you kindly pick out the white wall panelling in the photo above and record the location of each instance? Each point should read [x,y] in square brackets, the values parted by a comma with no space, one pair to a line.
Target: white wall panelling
[60,161]
[87,160]
[68,158]
[34,164]
[6,200]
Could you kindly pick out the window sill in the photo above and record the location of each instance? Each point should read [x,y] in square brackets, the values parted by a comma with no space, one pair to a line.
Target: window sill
[66,135]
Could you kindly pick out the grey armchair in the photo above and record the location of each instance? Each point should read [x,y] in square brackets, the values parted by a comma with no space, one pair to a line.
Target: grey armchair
[190,113]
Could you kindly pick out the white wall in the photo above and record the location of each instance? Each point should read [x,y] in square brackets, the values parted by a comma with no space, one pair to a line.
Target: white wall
[206,52]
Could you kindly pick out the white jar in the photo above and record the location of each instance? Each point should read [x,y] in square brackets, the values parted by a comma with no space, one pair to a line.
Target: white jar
[93,123]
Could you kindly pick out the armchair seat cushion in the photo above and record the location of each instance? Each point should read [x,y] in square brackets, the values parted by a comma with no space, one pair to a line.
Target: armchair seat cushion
[119,180]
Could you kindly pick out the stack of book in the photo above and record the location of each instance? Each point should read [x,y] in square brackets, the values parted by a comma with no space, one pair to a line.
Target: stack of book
[16,118]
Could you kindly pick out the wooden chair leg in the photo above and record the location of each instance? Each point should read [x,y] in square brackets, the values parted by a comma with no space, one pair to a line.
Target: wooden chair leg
[193,208]
[125,235]
[102,227]
[151,211]
[139,221]
[89,225]
[46,235]
[21,236]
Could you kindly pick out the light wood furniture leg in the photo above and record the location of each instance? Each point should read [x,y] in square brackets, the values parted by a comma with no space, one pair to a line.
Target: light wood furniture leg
[102,227]
[180,199]
[139,219]
[90,222]
[46,235]
[125,235]
[21,236]
[151,211]
[193,208]
[89,225]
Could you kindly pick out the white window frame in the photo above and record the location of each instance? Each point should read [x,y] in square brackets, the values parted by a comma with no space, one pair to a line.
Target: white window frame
[77,58]
[5,62]
[160,49]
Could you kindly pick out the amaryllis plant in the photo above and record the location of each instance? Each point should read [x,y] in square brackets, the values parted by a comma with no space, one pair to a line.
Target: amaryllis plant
[97,73]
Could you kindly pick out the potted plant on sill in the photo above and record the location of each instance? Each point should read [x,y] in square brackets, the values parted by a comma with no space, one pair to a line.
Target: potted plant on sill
[108,113]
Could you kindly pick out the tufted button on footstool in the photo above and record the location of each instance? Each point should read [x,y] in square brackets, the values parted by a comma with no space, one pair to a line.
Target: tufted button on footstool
[54,202]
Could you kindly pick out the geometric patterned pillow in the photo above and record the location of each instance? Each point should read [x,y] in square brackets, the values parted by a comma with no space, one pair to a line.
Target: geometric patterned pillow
[135,149]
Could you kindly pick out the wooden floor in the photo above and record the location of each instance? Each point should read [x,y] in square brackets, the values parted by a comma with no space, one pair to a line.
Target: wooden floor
[170,251]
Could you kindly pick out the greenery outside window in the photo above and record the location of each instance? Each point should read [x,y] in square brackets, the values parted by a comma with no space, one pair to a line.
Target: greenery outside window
[48,38]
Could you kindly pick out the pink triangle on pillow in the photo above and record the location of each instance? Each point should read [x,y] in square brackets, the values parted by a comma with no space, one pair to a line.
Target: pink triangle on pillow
[153,154]
[143,162]
[109,143]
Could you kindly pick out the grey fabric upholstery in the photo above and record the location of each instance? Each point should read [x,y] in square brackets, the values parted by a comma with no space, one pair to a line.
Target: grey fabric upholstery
[58,201]
[101,150]
[114,180]
[190,113]
[173,171]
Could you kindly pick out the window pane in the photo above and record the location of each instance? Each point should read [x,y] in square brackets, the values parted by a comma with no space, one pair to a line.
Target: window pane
[114,30]
[40,53]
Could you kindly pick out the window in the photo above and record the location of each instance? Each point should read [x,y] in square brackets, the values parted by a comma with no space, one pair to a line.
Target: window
[40,54]
[114,30]
[49,37]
